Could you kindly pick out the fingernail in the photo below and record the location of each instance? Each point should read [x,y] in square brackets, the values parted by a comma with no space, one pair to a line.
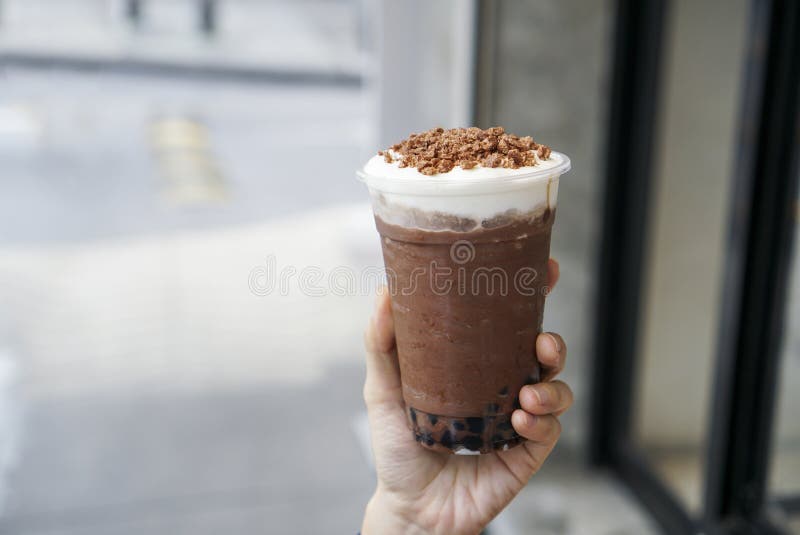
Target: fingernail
[555,342]
[530,419]
[542,395]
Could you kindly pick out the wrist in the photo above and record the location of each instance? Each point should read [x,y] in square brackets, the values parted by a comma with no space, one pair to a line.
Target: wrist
[384,515]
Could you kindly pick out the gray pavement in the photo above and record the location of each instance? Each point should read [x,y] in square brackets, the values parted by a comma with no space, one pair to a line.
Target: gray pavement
[224,462]
[154,393]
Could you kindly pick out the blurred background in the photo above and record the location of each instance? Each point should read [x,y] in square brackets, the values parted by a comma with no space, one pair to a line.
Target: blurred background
[157,158]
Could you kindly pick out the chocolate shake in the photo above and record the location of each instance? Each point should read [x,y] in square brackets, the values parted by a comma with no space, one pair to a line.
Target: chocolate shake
[465,217]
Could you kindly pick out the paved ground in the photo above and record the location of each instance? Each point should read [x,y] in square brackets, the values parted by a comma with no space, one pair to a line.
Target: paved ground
[206,462]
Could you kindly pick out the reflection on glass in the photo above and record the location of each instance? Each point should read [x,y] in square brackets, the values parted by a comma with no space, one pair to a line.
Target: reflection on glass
[686,231]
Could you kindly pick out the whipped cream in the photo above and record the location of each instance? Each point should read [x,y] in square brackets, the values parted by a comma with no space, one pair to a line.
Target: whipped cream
[478,193]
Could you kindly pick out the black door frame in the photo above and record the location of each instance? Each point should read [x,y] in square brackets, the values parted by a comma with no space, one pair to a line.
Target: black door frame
[758,256]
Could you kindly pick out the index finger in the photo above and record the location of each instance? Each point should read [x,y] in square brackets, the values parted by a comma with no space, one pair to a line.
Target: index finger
[553,273]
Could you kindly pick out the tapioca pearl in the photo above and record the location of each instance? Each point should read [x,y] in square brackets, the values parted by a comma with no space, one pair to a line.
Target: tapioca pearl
[459,426]
[503,391]
[492,408]
[497,438]
[504,432]
[475,424]
[472,443]
[531,380]
[427,439]
[446,440]
[504,425]
[432,418]
[516,404]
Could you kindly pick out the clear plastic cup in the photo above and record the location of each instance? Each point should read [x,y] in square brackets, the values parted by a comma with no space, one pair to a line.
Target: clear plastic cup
[466,261]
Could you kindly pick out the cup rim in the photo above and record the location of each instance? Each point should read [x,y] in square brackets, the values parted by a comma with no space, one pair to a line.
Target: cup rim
[442,185]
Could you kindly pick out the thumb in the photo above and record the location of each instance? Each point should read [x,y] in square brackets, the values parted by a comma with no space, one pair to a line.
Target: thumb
[383,370]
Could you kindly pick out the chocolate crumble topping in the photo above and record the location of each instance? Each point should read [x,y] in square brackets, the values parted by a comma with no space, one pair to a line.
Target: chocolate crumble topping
[439,150]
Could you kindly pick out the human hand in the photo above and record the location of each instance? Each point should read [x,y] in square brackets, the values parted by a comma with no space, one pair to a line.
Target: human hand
[422,491]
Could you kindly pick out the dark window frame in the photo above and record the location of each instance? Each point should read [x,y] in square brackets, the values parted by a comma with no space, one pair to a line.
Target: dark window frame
[758,257]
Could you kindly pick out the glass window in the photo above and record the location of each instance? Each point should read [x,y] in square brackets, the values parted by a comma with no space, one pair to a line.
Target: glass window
[688,217]
[784,478]
[549,66]
[147,384]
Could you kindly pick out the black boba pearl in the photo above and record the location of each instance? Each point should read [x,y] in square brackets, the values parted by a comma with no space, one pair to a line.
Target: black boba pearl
[446,440]
[459,426]
[492,408]
[432,418]
[516,404]
[531,380]
[475,424]
[472,443]
[497,438]
[503,391]
[427,439]
[413,414]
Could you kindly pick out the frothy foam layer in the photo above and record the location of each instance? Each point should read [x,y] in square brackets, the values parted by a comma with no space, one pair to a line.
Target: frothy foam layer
[377,166]
[477,193]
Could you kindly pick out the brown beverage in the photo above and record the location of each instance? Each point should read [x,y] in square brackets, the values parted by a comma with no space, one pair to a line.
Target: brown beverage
[466,253]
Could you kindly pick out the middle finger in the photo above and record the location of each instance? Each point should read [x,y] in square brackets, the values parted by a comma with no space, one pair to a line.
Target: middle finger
[551,351]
